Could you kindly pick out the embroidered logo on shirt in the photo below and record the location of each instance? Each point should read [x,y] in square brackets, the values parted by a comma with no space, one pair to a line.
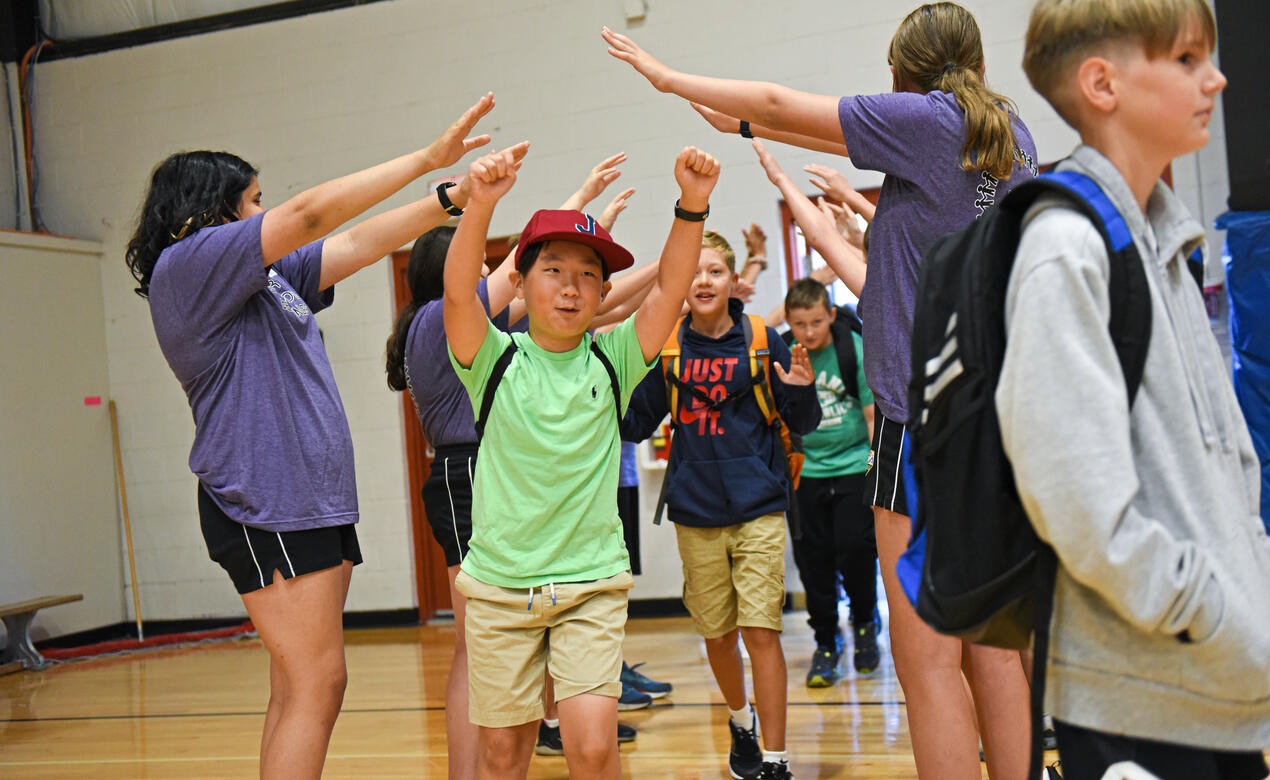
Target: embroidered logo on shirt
[289,299]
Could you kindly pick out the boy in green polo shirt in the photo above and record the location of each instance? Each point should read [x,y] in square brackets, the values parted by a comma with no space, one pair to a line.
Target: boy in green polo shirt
[547,573]
[837,524]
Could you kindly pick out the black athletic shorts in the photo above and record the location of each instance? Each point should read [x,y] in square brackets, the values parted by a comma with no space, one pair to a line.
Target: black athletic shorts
[1086,754]
[251,555]
[447,498]
[884,481]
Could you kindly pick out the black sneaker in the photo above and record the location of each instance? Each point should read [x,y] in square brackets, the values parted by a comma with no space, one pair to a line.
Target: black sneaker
[866,647]
[824,667]
[745,758]
[549,743]
[776,770]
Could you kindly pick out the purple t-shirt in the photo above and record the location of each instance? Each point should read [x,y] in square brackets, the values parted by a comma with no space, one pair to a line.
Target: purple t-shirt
[271,442]
[441,401]
[916,141]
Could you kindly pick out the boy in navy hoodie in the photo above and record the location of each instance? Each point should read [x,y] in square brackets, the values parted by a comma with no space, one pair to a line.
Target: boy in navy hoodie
[726,491]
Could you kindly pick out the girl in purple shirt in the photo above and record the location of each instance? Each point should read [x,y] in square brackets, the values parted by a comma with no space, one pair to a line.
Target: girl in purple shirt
[233,290]
[949,147]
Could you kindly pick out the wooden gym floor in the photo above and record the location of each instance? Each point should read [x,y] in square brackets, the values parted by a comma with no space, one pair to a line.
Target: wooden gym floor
[196,712]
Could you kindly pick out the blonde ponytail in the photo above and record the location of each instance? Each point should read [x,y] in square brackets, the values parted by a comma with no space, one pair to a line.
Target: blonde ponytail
[938,47]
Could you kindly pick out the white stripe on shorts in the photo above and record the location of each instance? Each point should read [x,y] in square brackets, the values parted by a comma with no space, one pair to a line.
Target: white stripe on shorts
[877,457]
[899,460]
[454,522]
[259,573]
[284,553]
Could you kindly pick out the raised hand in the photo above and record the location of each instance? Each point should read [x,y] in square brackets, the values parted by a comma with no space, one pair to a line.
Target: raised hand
[629,52]
[743,288]
[834,183]
[845,220]
[615,207]
[718,120]
[697,173]
[773,169]
[490,177]
[600,177]
[755,241]
[800,371]
[454,142]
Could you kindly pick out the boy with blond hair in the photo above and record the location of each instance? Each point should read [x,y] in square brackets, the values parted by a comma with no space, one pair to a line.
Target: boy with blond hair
[1161,629]
[547,573]
[726,487]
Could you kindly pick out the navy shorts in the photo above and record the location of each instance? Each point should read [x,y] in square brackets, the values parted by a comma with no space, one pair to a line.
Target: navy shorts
[251,555]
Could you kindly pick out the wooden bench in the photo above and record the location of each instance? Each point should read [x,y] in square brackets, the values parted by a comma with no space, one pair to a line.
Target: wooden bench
[18,651]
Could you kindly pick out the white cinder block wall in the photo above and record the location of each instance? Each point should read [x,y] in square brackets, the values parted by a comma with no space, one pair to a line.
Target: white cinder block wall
[312,98]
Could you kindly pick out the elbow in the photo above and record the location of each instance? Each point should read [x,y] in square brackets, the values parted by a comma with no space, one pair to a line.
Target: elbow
[771,107]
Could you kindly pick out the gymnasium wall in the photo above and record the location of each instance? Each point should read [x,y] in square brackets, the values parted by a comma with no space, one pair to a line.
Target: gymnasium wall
[312,98]
[59,526]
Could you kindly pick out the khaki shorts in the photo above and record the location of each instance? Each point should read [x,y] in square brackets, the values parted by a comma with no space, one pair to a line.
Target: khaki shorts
[575,633]
[734,576]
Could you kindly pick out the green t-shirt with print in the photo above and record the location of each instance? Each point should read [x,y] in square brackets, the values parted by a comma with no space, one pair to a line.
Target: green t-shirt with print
[544,503]
[840,444]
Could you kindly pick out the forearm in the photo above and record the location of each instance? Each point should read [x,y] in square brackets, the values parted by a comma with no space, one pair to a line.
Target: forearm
[769,105]
[823,236]
[319,210]
[632,284]
[365,243]
[861,205]
[464,314]
[798,139]
[678,264]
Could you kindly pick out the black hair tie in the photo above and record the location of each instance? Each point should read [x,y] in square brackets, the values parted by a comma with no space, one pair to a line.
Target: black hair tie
[947,68]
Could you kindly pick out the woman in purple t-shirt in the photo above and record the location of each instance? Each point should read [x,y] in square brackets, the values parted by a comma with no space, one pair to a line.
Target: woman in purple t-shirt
[949,147]
[233,290]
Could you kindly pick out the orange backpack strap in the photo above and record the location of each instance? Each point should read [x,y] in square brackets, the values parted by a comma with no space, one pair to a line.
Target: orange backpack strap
[671,355]
[760,365]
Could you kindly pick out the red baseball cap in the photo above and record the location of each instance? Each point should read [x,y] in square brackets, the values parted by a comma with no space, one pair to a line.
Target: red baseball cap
[569,225]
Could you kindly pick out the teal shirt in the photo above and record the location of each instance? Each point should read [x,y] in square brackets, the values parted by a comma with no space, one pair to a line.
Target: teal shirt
[840,444]
[544,504]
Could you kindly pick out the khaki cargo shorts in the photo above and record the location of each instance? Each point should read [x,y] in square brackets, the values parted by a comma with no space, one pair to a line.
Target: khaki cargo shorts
[734,576]
[574,630]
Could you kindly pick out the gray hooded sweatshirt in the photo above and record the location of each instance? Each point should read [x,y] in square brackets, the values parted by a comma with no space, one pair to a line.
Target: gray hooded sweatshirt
[1161,626]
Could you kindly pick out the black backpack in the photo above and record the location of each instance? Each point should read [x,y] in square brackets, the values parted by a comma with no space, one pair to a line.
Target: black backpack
[975,567]
[842,327]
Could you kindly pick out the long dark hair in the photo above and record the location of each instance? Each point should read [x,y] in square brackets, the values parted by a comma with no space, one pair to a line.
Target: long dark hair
[188,192]
[426,276]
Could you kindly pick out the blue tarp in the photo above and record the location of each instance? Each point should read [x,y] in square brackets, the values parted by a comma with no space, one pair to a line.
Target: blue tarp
[1247,259]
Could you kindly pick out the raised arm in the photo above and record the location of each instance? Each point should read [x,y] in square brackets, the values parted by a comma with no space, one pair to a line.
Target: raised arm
[836,187]
[769,105]
[626,295]
[731,125]
[319,210]
[696,173]
[465,322]
[597,179]
[817,228]
[755,254]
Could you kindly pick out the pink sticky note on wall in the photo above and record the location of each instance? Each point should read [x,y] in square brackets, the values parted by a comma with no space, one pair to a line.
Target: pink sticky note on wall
[92,400]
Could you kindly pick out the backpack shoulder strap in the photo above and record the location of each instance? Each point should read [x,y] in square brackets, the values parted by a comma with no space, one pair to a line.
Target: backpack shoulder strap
[844,345]
[755,331]
[491,385]
[671,357]
[1130,295]
[613,383]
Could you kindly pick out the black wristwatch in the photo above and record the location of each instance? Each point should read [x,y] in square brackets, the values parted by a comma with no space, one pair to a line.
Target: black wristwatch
[446,203]
[691,216]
